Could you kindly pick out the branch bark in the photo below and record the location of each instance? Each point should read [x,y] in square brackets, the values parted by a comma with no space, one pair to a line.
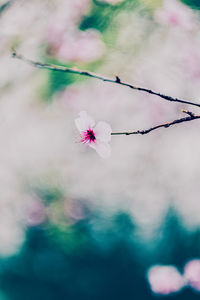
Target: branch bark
[190,117]
[117,80]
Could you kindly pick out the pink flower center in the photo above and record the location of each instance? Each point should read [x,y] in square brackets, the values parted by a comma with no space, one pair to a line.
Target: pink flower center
[88,136]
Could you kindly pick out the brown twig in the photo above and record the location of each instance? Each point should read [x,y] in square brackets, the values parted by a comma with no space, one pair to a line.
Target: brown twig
[190,117]
[117,80]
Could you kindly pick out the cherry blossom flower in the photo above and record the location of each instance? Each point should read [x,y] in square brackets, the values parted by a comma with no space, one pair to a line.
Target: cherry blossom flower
[97,137]
[192,274]
[165,280]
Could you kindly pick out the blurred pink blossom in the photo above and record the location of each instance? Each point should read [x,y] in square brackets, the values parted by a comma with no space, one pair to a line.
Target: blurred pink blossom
[190,60]
[75,45]
[75,210]
[69,13]
[66,41]
[192,274]
[81,46]
[97,137]
[176,14]
[165,279]
[79,8]
[70,98]
[34,212]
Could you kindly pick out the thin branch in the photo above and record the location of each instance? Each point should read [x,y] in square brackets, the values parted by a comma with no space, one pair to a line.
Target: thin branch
[190,117]
[117,80]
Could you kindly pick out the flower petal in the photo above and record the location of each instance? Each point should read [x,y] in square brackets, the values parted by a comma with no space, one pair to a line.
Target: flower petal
[84,122]
[103,149]
[103,131]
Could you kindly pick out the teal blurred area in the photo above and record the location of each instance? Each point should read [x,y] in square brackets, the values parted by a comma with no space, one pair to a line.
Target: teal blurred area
[81,262]
[192,3]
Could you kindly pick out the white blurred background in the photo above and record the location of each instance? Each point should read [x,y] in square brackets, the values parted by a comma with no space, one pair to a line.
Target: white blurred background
[152,44]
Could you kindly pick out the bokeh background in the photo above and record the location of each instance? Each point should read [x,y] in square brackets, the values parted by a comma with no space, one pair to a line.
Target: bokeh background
[74,225]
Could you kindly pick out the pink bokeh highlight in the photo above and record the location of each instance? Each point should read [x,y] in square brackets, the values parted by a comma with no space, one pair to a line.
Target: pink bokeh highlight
[35,213]
[192,274]
[80,46]
[165,280]
[71,44]
[174,13]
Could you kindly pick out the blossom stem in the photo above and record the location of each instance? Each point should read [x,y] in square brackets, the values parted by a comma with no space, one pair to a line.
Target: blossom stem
[117,80]
[190,117]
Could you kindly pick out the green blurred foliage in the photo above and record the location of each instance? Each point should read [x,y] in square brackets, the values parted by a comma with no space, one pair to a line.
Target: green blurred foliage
[70,238]
[4,6]
[103,14]
[195,4]
[48,193]
[151,4]
[57,81]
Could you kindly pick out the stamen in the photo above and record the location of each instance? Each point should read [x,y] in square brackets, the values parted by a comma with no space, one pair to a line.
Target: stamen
[91,135]
[88,137]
